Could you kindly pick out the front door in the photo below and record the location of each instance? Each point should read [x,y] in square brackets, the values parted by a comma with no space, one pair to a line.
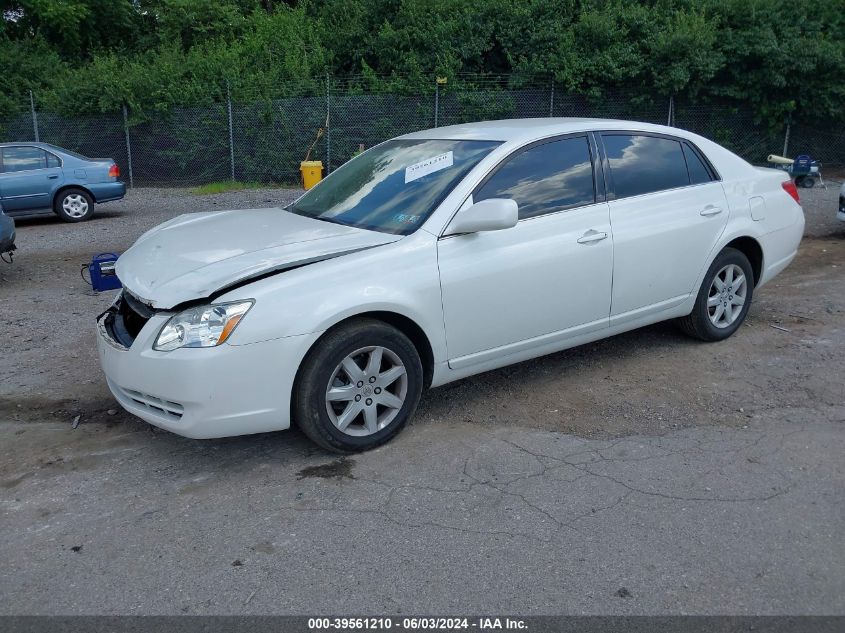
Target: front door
[549,276]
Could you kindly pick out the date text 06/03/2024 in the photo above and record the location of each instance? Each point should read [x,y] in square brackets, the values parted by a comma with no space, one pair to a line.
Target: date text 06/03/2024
[418,623]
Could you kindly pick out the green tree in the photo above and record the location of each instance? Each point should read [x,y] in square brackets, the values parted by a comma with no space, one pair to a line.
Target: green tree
[73,29]
[781,57]
[772,58]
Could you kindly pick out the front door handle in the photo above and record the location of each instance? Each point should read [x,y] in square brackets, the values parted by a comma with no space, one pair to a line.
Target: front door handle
[592,236]
[710,210]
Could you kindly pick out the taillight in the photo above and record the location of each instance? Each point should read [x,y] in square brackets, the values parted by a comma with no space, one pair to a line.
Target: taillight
[114,172]
[790,188]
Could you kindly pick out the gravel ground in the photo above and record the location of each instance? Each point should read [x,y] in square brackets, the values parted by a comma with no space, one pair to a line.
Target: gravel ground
[699,478]
[48,308]
[820,210]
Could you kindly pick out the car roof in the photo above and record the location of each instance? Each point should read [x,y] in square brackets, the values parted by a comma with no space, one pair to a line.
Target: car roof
[47,146]
[32,143]
[527,129]
[66,154]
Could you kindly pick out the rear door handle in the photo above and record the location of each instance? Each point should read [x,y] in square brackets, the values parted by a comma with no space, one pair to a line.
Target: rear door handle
[592,236]
[53,177]
[711,210]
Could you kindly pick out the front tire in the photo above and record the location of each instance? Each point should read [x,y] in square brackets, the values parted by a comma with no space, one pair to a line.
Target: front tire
[723,299]
[74,205]
[358,387]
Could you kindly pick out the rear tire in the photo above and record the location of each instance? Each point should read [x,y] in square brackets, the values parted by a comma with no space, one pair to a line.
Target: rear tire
[74,205]
[723,299]
[357,387]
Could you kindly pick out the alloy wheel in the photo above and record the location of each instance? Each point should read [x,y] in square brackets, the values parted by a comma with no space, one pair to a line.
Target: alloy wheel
[366,391]
[727,295]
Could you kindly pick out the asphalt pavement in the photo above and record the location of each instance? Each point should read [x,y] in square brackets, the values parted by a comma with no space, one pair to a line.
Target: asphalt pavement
[644,474]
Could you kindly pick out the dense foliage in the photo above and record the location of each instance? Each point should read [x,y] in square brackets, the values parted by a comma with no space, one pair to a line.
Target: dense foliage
[95,55]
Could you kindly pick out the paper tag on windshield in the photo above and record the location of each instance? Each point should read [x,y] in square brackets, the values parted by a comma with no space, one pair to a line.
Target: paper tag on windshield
[428,166]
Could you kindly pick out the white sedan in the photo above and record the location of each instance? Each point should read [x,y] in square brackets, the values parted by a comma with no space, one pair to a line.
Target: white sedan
[431,257]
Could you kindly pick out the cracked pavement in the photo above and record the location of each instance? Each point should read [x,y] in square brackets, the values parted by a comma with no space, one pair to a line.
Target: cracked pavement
[448,518]
[645,474]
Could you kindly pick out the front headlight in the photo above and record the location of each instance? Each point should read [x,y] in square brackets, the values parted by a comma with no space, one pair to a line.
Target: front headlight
[203,326]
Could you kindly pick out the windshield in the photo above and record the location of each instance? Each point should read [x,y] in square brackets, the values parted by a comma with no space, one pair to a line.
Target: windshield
[394,186]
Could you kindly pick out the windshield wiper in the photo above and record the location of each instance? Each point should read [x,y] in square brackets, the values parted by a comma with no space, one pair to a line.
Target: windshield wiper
[294,209]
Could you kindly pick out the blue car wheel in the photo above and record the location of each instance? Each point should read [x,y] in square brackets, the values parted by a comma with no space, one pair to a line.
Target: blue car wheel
[74,205]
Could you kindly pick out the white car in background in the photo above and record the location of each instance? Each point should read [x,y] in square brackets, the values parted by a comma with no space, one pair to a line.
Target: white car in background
[435,256]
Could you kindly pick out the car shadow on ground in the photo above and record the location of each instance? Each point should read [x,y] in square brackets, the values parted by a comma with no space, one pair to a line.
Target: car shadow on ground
[469,399]
[102,423]
[47,219]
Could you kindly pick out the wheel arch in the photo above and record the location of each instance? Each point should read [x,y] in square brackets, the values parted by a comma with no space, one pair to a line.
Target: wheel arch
[752,249]
[65,187]
[401,322]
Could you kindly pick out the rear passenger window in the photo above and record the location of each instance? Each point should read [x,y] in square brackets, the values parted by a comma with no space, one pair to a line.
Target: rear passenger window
[644,164]
[545,178]
[53,160]
[23,159]
[697,171]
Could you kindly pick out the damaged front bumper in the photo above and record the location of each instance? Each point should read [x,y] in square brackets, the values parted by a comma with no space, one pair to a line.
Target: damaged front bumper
[201,393]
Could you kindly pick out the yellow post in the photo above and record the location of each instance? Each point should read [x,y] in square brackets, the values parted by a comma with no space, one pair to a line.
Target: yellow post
[312,172]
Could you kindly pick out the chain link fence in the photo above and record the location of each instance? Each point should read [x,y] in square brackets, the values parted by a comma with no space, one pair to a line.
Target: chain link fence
[262,140]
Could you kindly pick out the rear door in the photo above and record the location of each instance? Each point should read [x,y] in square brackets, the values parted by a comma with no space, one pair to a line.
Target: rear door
[667,209]
[28,176]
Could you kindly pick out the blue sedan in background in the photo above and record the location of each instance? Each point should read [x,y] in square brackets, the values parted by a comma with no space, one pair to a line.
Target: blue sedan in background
[38,177]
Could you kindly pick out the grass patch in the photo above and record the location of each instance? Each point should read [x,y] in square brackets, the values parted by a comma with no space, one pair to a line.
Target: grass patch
[226,185]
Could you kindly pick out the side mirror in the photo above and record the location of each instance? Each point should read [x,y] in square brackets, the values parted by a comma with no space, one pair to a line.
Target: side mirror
[488,215]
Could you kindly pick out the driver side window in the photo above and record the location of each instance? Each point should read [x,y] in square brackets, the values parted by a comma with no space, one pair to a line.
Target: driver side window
[545,178]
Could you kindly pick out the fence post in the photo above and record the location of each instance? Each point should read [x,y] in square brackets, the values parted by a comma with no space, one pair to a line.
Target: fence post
[786,134]
[231,132]
[436,102]
[552,99]
[34,116]
[128,146]
[671,116]
[328,125]
[438,82]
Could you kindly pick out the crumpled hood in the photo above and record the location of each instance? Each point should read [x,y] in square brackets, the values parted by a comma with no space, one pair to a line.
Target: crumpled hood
[195,255]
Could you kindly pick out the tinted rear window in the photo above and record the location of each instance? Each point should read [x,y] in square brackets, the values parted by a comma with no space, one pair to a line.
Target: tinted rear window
[544,178]
[68,152]
[644,164]
[697,171]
